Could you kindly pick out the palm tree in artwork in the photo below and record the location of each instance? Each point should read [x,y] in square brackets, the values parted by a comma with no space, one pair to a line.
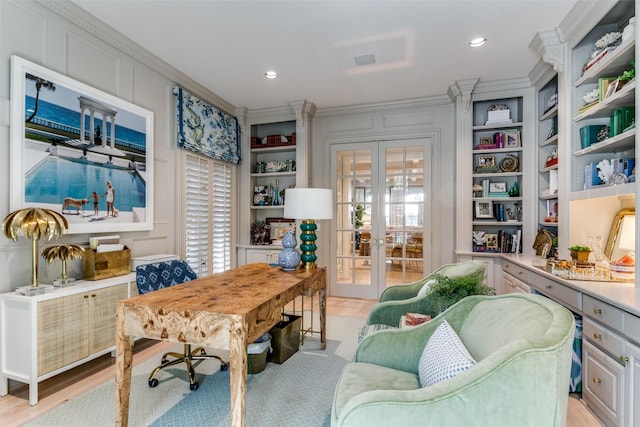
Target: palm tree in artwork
[40,83]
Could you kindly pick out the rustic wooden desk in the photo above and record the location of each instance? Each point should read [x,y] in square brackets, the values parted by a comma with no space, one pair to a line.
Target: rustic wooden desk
[227,310]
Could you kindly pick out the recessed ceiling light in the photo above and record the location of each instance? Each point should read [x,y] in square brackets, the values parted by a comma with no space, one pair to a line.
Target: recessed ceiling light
[477,42]
[271,74]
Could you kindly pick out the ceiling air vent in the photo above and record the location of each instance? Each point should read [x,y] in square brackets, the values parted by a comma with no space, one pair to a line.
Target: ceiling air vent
[367,59]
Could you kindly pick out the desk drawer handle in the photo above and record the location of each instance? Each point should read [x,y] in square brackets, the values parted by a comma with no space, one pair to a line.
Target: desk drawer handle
[86,296]
[624,359]
[597,380]
[597,311]
[549,286]
[597,336]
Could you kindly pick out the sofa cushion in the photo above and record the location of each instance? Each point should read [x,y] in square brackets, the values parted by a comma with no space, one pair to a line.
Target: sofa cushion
[444,356]
[358,378]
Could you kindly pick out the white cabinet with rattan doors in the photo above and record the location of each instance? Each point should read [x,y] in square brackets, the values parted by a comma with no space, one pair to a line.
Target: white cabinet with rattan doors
[44,335]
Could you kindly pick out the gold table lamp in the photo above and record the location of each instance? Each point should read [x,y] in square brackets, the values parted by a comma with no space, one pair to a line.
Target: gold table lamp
[34,223]
[63,252]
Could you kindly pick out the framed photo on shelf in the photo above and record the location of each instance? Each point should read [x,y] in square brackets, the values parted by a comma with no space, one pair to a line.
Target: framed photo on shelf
[486,141]
[484,210]
[492,241]
[486,161]
[497,187]
[278,227]
[512,139]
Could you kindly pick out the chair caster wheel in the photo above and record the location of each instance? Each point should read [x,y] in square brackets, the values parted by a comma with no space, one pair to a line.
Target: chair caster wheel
[224,367]
[153,383]
[194,386]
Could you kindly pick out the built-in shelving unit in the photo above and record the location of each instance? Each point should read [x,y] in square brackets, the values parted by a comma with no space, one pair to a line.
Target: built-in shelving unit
[548,162]
[497,167]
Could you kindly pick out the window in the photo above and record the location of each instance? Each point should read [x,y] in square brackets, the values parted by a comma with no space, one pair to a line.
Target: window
[208,223]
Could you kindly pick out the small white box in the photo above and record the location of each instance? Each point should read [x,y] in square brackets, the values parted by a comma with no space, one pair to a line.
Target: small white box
[150,259]
[498,116]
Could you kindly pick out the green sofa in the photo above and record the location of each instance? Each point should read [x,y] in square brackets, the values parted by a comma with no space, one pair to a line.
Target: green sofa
[396,301]
[522,344]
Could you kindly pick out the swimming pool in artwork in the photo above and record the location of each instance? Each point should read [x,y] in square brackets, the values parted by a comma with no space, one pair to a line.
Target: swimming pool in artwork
[56,178]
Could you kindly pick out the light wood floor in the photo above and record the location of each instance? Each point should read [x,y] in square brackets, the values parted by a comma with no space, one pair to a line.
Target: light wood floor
[15,409]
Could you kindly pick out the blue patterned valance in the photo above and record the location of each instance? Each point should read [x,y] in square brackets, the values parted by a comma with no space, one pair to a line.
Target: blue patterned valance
[204,129]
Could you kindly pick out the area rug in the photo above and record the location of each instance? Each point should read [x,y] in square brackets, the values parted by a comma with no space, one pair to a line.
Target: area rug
[298,392]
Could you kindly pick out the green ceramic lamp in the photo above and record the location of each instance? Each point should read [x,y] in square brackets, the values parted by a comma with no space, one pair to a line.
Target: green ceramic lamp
[308,205]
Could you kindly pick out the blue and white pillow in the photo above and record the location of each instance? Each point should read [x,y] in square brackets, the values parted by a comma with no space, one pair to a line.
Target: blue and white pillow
[444,356]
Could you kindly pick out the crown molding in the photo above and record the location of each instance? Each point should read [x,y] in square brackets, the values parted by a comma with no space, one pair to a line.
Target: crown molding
[463,89]
[549,44]
[412,103]
[582,18]
[81,19]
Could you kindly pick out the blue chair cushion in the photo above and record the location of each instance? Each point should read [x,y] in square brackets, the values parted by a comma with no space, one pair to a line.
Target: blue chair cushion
[151,277]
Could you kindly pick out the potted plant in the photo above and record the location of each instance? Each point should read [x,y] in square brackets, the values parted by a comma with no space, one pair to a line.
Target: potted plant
[580,253]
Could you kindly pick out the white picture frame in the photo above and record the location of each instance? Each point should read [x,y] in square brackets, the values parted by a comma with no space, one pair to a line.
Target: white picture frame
[55,165]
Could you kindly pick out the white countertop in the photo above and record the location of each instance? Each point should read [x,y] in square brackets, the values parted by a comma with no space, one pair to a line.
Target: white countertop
[623,295]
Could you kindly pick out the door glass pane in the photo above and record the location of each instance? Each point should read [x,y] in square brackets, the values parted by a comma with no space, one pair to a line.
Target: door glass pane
[404,214]
[353,191]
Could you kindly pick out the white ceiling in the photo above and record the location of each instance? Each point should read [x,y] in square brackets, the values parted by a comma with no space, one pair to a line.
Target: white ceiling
[420,46]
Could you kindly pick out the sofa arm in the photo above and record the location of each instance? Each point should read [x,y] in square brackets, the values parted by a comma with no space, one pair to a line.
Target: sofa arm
[402,292]
[396,348]
[389,312]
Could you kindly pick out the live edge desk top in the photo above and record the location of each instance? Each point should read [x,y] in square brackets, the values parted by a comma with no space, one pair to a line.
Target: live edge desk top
[227,310]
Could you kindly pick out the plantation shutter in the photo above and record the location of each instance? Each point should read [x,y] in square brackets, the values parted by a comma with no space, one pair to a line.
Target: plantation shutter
[221,211]
[208,215]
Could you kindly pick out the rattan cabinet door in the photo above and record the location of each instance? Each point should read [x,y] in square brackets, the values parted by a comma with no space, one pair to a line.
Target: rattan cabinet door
[63,331]
[102,316]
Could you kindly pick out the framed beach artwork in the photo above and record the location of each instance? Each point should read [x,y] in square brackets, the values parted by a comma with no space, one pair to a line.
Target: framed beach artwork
[79,151]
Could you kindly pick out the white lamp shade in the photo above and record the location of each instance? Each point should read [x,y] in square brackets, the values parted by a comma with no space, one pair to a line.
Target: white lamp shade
[308,203]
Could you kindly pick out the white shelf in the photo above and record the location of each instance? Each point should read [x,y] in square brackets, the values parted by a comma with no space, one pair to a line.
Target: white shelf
[549,141]
[280,149]
[548,224]
[272,174]
[549,197]
[621,142]
[549,114]
[614,63]
[547,169]
[498,223]
[496,175]
[622,98]
[605,191]
[267,207]
[497,126]
[498,150]
[497,199]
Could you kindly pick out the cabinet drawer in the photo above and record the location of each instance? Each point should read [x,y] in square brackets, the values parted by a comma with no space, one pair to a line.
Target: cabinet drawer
[557,291]
[632,327]
[516,271]
[603,338]
[603,312]
[603,385]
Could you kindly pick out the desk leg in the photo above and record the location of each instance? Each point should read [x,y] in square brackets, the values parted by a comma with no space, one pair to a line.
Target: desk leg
[322,296]
[124,358]
[238,372]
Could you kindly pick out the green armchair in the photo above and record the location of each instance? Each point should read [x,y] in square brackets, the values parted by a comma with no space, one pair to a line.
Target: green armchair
[522,346]
[396,301]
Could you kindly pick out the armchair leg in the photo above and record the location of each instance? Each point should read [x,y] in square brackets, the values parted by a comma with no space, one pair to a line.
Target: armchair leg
[186,357]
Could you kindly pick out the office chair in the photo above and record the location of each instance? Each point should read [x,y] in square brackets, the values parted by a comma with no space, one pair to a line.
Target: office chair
[151,277]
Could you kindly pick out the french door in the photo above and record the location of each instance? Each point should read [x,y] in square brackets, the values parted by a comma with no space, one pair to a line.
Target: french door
[382,220]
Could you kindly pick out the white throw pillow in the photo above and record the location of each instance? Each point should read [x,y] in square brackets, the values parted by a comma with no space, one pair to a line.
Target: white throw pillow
[425,288]
[444,356]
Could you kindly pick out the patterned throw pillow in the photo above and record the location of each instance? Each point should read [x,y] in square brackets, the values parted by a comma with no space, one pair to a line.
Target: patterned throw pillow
[444,356]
